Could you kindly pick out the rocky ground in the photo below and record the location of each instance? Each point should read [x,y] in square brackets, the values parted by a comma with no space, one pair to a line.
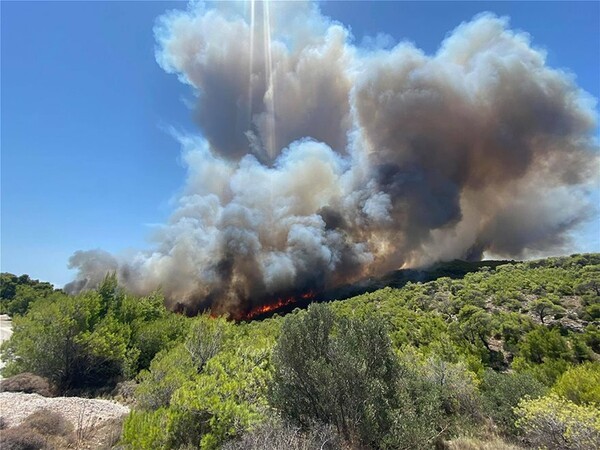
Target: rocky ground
[81,412]
[96,423]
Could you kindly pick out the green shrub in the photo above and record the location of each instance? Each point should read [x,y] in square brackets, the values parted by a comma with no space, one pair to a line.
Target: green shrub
[206,337]
[342,371]
[502,392]
[555,422]
[580,384]
[226,399]
[168,372]
[161,334]
[339,371]
[542,344]
[145,430]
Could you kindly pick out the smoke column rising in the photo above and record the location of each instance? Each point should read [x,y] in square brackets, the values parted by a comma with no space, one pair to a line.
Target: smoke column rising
[320,163]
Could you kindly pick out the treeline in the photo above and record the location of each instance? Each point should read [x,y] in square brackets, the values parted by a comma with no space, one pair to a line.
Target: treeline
[508,356]
[89,342]
[16,293]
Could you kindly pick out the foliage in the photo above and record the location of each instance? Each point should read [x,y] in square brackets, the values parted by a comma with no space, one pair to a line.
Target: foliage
[145,430]
[206,403]
[556,422]
[337,371]
[206,338]
[544,307]
[580,384]
[47,340]
[502,392]
[17,293]
[490,443]
[393,368]
[277,435]
[545,354]
[88,341]
[168,372]
[151,337]
[222,401]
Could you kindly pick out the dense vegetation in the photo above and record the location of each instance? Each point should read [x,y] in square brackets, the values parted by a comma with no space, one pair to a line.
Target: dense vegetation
[507,353]
[16,293]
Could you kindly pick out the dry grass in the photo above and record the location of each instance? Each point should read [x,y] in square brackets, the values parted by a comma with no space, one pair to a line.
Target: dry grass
[469,443]
[281,436]
[22,438]
[28,383]
[49,423]
[48,430]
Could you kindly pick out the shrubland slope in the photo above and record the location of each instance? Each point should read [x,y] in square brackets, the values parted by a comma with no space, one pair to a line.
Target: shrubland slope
[508,352]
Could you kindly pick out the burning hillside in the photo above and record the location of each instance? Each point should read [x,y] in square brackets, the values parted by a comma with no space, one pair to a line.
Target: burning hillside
[320,163]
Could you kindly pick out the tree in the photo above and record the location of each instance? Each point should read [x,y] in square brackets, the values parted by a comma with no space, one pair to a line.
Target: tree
[47,342]
[223,401]
[543,343]
[543,308]
[17,293]
[339,371]
[88,341]
[477,325]
[110,294]
[154,336]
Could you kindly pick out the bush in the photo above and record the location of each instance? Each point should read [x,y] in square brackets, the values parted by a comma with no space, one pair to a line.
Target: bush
[546,373]
[339,371]
[224,400]
[342,371]
[206,337]
[145,430]
[558,423]
[456,387]
[542,344]
[124,392]
[28,383]
[160,334]
[465,443]
[168,372]
[48,423]
[277,435]
[580,384]
[90,341]
[501,392]
[21,438]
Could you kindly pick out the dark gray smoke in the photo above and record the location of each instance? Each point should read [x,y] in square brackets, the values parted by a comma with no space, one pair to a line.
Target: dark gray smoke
[320,163]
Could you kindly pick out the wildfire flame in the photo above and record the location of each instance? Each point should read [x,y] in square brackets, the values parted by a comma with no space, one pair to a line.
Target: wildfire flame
[277,304]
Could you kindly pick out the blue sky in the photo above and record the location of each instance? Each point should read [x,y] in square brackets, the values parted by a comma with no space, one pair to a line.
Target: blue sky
[86,159]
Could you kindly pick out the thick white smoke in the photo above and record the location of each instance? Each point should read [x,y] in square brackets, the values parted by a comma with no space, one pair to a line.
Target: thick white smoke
[320,163]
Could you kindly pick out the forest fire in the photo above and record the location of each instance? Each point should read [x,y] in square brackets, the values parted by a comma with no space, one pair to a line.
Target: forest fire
[318,162]
[279,303]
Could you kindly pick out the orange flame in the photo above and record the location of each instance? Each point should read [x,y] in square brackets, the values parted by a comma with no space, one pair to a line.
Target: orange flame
[277,304]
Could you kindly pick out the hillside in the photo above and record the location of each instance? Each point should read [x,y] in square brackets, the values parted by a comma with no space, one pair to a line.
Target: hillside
[431,363]
[395,279]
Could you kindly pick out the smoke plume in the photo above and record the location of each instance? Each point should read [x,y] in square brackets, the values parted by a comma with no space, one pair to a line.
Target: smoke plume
[320,162]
